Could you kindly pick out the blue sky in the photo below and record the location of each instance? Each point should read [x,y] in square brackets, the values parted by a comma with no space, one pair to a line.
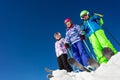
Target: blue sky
[27,28]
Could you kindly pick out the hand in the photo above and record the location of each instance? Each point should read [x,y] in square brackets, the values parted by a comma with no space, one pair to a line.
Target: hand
[82,32]
[82,37]
[67,45]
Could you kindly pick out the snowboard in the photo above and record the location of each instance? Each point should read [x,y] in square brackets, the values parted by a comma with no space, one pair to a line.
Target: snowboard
[72,61]
[107,52]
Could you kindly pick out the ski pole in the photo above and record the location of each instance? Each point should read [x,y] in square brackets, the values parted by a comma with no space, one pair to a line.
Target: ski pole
[90,53]
[112,36]
[87,46]
[69,52]
[98,14]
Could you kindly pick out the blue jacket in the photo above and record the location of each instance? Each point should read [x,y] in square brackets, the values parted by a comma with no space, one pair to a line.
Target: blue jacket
[73,34]
[91,25]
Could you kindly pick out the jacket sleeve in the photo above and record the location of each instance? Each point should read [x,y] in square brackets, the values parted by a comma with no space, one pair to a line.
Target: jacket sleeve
[67,38]
[64,40]
[78,29]
[56,49]
[95,17]
[83,27]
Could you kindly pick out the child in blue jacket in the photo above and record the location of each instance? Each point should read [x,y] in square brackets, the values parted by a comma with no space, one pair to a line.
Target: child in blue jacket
[92,27]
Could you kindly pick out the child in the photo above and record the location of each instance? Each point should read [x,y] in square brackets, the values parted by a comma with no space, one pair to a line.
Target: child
[74,37]
[61,52]
[96,35]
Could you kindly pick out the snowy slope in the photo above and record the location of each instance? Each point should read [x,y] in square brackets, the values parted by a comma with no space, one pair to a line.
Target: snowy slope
[109,71]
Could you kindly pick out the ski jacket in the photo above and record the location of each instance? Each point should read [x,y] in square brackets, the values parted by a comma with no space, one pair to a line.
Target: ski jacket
[73,34]
[91,25]
[60,47]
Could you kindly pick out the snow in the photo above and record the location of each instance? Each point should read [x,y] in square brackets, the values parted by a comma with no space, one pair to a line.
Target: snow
[109,71]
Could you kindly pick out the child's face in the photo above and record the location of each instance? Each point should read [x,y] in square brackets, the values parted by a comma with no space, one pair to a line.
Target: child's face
[68,24]
[85,17]
[57,36]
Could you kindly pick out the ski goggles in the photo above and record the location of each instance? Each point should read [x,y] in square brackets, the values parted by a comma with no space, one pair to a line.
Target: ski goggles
[82,17]
[67,23]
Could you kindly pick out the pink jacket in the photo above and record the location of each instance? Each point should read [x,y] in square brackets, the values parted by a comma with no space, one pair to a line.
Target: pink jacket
[60,48]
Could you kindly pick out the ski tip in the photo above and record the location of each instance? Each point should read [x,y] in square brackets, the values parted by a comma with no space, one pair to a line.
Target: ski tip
[49,76]
[48,70]
[45,69]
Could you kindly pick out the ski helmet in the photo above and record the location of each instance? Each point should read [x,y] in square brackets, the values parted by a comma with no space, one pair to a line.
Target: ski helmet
[57,33]
[83,13]
[67,20]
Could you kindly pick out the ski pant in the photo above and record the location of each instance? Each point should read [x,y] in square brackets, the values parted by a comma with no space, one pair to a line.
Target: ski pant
[63,64]
[79,53]
[100,41]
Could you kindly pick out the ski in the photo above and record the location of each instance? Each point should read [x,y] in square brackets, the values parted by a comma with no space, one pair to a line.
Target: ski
[49,76]
[72,61]
[48,70]
[107,52]
[93,63]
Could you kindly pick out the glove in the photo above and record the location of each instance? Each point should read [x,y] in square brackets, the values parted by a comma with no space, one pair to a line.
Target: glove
[82,32]
[82,37]
[67,45]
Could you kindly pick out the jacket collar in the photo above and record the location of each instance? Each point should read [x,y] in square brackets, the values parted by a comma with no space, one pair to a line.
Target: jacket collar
[72,25]
[58,39]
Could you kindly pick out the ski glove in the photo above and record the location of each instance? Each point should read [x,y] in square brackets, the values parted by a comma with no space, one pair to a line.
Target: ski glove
[67,45]
[82,37]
